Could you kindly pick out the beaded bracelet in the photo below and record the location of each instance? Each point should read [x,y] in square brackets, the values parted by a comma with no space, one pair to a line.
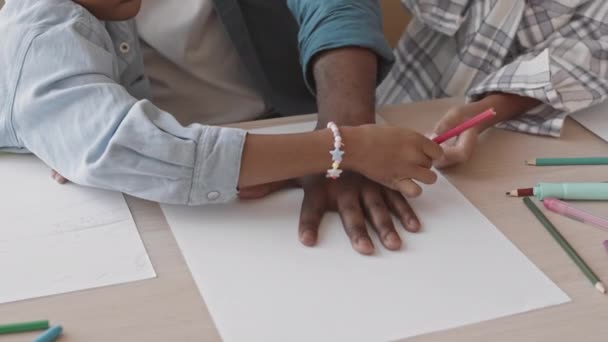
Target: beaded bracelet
[336,153]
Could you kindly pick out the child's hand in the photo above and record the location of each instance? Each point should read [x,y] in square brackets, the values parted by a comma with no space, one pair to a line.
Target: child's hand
[461,148]
[394,157]
[58,178]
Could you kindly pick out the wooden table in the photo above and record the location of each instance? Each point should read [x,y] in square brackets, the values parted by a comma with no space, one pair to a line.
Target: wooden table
[169,308]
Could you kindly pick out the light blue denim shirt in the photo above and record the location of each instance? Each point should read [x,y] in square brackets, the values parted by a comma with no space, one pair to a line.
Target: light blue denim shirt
[74,94]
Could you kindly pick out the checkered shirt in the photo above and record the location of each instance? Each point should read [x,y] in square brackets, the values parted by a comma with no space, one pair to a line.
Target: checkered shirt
[553,50]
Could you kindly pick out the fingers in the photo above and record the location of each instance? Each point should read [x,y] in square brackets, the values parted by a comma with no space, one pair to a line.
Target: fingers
[425,161]
[313,208]
[402,210]
[460,152]
[417,173]
[424,175]
[357,199]
[431,149]
[353,220]
[58,178]
[378,214]
[408,188]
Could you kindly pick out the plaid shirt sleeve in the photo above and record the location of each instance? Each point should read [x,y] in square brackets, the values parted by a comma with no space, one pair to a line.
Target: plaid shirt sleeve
[566,69]
[443,16]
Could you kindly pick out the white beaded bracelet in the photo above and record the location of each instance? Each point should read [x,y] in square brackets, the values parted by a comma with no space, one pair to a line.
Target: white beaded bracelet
[336,153]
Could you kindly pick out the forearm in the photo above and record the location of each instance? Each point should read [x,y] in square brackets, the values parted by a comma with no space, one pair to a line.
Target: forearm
[507,106]
[270,158]
[343,54]
[345,80]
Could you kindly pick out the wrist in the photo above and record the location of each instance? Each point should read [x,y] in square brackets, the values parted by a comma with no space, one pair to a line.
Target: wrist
[354,147]
[506,106]
[345,81]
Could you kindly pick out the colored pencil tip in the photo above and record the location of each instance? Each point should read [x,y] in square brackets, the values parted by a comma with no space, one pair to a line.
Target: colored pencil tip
[531,162]
[600,287]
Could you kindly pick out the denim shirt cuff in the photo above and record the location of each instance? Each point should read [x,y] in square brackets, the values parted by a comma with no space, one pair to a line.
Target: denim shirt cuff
[218,165]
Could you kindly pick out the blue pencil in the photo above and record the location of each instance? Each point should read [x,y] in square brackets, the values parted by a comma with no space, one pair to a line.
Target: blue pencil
[50,335]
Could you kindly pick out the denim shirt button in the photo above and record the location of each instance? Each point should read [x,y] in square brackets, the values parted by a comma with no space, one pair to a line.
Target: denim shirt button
[125,48]
[213,195]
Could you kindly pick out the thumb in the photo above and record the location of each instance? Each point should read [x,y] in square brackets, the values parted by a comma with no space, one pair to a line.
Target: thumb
[460,152]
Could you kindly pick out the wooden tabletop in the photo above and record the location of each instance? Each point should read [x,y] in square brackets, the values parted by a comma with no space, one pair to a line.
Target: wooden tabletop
[169,307]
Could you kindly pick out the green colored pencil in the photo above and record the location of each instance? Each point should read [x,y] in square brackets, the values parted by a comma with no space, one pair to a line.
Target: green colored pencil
[23,327]
[568,161]
[565,245]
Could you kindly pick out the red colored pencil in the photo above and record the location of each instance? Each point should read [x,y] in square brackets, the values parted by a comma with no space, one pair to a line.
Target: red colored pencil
[525,192]
[479,118]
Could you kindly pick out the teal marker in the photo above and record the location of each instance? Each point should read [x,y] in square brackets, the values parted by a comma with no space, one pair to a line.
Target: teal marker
[568,191]
[50,335]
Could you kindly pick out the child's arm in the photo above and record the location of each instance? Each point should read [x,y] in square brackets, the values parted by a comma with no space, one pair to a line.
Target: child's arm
[71,114]
[382,153]
[556,74]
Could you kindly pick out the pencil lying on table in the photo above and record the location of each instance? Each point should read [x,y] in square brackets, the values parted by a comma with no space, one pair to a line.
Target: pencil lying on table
[568,161]
[582,265]
[23,327]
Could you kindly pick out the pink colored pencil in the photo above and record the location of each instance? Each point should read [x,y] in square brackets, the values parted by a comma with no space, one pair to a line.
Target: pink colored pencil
[476,120]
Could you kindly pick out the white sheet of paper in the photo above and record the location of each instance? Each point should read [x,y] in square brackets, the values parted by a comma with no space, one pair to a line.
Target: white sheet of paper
[62,238]
[595,119]
[261,284]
